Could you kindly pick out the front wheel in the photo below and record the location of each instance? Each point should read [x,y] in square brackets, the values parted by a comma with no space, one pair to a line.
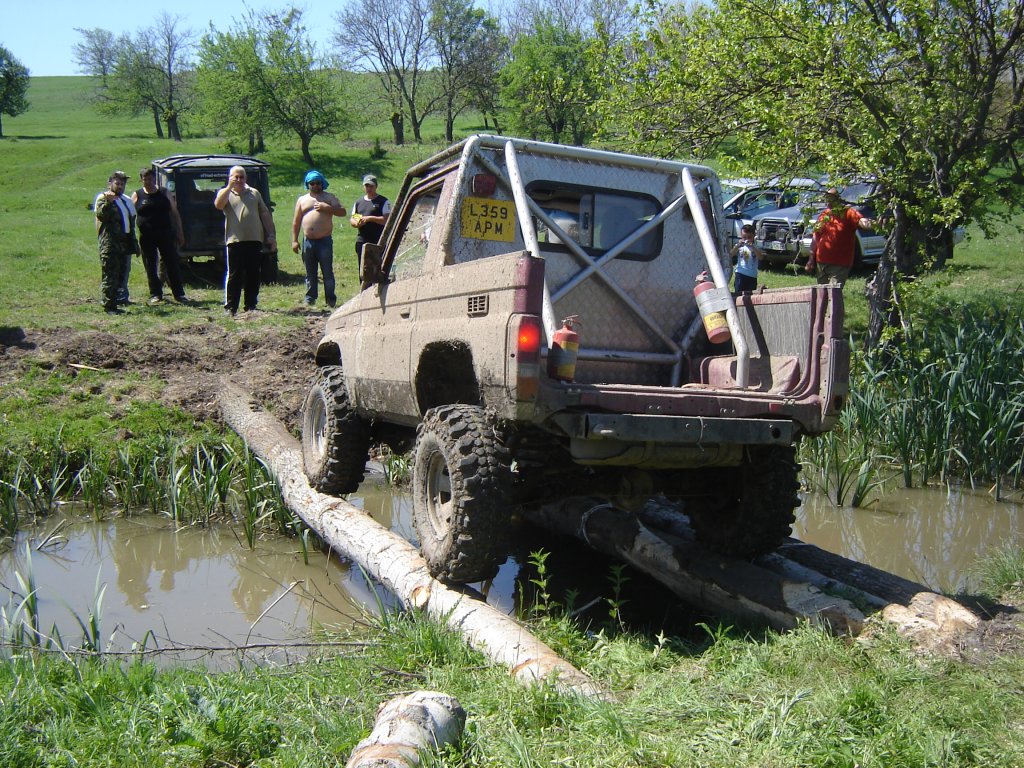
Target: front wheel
[755,514]
[335,441]
[460,487]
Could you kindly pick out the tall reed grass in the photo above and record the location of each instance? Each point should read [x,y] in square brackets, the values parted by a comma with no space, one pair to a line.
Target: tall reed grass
[944,404]
[192,483]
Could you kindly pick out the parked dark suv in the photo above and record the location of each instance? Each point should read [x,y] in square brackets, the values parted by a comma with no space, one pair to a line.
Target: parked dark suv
[194,181]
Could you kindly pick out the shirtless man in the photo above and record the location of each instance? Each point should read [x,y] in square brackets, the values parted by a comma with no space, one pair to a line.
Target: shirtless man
[314,213]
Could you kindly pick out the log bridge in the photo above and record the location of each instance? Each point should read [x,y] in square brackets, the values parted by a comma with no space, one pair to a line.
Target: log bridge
[797,583]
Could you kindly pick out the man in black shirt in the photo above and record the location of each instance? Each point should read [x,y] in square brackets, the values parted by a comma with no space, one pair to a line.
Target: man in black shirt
[369,215]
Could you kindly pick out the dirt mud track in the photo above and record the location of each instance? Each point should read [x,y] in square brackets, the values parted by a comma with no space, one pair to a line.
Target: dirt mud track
[187,364]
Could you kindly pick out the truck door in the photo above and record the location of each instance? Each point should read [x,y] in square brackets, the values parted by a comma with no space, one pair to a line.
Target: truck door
[384,383]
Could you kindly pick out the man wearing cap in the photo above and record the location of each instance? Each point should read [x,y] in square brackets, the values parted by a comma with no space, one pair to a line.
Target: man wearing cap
[369,215]
[314,213]
[115,233]
[835,240]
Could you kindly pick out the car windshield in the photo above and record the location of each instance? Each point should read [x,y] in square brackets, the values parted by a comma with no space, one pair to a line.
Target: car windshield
[857,192]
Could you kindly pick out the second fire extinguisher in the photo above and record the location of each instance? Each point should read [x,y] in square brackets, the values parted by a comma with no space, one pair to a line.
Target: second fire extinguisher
[712,310]
[565,346]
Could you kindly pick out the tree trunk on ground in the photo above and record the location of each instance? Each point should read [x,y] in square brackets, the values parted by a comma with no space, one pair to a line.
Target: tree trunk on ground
[799,582]
[407,726]
[393,561]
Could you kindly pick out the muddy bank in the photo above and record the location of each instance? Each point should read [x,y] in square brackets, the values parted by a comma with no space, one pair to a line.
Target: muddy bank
[187,363]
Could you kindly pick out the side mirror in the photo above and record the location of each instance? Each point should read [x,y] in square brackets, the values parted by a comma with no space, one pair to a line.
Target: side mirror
[370,264]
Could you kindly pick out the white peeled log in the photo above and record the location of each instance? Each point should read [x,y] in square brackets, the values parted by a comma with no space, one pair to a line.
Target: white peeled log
[408,726]
[392,560]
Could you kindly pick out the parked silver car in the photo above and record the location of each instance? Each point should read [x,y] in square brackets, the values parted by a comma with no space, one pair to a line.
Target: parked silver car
[745,199]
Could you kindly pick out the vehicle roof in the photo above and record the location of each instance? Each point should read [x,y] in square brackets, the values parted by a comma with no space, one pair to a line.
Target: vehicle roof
[209,161]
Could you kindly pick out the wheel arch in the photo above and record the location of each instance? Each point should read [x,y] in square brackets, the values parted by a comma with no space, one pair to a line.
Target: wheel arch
[445,375]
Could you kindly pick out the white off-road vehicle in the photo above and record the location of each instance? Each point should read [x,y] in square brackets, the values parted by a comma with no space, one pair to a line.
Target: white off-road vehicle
[449,348]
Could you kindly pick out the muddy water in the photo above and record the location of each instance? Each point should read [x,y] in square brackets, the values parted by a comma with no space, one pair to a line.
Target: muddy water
[928,535]
[205,587]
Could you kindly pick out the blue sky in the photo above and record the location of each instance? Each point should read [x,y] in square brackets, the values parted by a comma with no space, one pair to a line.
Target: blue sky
[41,38]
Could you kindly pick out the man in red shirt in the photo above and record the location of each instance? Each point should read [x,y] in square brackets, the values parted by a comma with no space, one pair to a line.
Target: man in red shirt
[835,240]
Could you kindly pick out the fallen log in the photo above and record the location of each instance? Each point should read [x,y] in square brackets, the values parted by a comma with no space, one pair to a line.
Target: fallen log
[408,726]
[391,560]
[701,577]
[798,582]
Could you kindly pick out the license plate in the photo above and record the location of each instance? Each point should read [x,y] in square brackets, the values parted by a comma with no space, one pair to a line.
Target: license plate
[486,219]
[776,245]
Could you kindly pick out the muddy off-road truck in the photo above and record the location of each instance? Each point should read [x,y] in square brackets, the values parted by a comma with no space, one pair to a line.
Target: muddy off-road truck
[457,341]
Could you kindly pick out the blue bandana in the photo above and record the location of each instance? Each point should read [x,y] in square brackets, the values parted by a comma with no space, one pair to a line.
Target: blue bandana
[316,176]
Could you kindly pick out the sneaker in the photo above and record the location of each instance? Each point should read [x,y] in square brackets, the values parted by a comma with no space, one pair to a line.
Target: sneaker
[113,310]
[156,299]
[331,303]
[229,312]
[183,299]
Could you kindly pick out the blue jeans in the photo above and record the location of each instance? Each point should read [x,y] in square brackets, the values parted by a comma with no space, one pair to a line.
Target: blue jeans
[319,253]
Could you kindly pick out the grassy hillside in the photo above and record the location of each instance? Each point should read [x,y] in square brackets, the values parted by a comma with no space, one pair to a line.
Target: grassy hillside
[58,155]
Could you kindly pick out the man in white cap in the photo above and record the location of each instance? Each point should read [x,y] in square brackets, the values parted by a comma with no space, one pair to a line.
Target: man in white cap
[369,215]
[314,214]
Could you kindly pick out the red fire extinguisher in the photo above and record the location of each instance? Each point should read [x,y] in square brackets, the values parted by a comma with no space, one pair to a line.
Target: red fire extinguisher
[715,324]
[565,346]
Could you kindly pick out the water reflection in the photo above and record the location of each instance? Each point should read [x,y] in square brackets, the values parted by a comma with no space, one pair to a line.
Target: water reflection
[929,535]
[205,586]
[186,586]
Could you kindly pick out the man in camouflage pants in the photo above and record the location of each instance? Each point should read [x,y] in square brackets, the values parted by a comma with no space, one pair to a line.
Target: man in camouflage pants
[115,230]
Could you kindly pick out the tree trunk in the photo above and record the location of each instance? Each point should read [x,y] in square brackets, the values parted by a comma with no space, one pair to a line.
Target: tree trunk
[398,126]
[305,150]
[1,125]
[173,132]
[421,722]
[799,582]
[393,561]
[159,125]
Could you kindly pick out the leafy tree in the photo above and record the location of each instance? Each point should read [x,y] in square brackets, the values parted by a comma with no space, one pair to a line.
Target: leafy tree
[548,84]
[466,43]
[610,18]
[149,71]
[13,86]
[266,75]
[393,41]
[96,54]
[926,95]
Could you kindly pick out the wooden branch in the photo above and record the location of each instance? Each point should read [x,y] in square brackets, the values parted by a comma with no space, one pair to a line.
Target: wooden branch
[393,561]
[408,726]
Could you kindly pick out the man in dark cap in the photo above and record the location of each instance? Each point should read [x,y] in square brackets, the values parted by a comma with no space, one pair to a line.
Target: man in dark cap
[369,215]
[115,233]
[314,214]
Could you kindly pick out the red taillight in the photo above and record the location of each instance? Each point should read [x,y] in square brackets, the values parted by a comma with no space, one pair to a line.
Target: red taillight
[528,341]
[484,184]
[529,338]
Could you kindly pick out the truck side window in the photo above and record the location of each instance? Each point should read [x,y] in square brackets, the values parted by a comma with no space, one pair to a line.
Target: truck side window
[596,219]
[416,235]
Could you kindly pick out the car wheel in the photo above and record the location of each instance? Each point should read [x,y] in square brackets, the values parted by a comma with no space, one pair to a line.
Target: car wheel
[756,514]
[335,441]
[460,486]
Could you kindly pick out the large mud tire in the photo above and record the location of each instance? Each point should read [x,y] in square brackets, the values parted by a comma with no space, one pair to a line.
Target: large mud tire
[460,487]
[756,514]
[335,441]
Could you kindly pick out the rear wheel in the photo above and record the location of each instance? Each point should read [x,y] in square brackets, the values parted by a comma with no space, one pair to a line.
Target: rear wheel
[460,487]
[335,440]
[756,514]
